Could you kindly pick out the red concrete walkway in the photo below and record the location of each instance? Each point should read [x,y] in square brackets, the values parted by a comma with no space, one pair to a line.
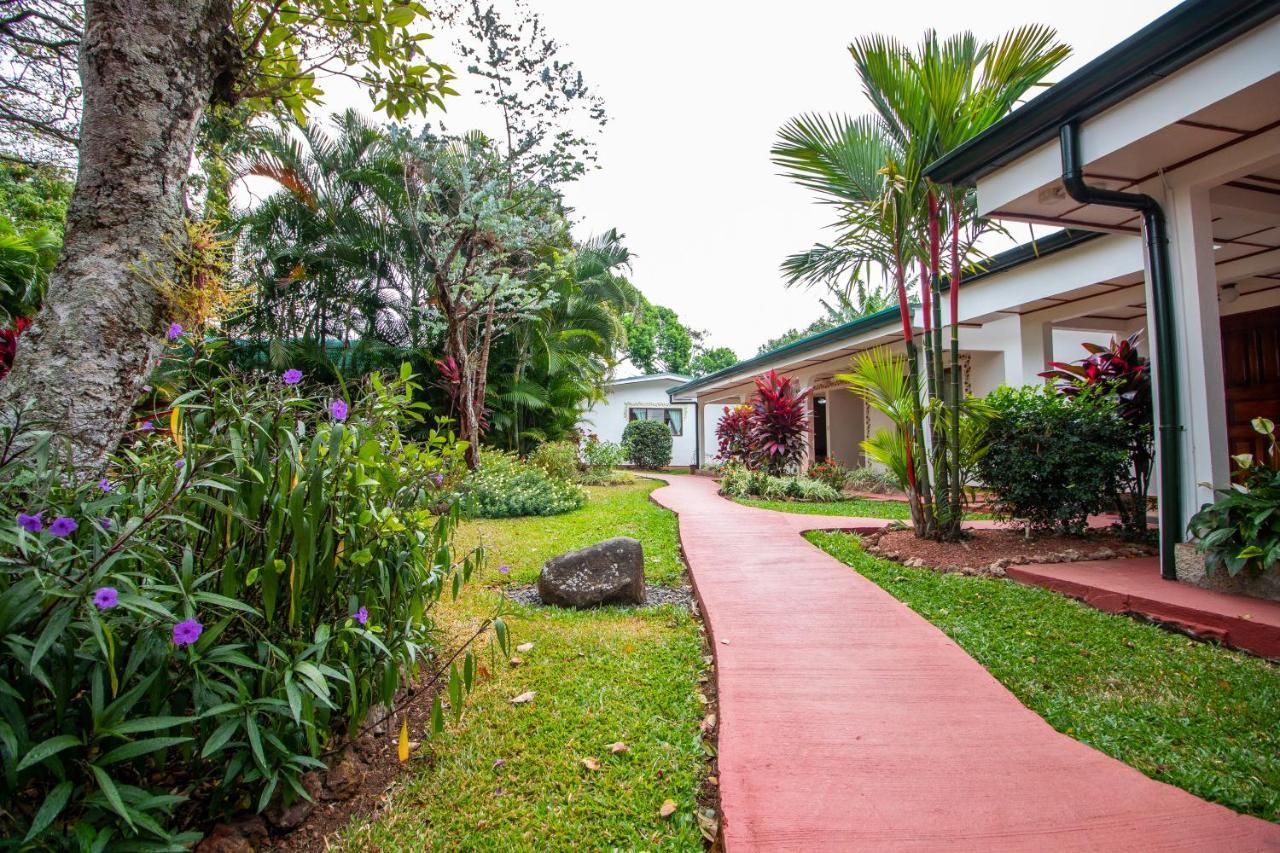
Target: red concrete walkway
[1134,586]
[847,722]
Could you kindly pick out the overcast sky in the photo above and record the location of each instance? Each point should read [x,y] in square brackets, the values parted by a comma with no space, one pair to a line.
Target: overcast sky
[695,92]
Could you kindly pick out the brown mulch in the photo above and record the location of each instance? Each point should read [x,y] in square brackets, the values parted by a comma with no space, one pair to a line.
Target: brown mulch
[377,750]
[990,551]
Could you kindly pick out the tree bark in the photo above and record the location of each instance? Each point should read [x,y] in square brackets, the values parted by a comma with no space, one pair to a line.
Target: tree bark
[148,68]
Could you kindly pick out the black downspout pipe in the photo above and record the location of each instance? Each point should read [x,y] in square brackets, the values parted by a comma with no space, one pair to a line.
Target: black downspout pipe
[1166,365]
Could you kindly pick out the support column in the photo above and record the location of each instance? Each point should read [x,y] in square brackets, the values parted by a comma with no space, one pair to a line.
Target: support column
[1203,399]
[1028,352]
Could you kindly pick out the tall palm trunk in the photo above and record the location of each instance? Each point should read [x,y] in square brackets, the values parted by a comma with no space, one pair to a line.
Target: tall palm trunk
[921,496]
[957,486]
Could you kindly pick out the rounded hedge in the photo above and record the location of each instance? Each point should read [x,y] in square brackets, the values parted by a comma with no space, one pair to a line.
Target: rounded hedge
[647,443]
[1051,459]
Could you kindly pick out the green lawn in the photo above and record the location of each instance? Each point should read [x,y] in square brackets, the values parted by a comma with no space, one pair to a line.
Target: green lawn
[1194,715]
[599,677]
[525,544]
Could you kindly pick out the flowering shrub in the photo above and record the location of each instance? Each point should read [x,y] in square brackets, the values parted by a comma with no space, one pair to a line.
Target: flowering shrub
[733,435]
[209,617]
[830,472]
[558,458]
[1241,530]
[505,487]
[647,444]
[600,458]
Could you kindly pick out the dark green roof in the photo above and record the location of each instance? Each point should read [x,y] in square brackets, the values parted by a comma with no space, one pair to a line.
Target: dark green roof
[853,327]
[1170,42]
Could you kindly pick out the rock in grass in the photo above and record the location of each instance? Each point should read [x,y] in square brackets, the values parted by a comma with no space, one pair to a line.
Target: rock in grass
[609,572]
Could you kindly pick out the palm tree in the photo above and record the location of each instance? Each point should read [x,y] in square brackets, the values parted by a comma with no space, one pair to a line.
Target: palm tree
[924,104]
[559,358]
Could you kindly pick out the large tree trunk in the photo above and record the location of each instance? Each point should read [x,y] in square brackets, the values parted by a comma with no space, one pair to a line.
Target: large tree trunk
[148,69]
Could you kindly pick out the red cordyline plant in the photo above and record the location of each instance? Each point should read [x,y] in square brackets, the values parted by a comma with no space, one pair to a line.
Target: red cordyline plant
[779,423]
[1118,370]
[733,435]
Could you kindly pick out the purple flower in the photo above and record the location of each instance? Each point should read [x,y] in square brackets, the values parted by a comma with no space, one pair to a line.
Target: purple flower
[106,597]
[105,523]
[186,632]
[175,331]
[504,569]
[63,525]
[31,523]
[179,464]
[148,426]
[292,376]
[438,479]
[361,615]
[104,484]
[338,410]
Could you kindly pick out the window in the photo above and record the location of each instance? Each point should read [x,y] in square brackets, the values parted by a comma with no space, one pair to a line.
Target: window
[673,418]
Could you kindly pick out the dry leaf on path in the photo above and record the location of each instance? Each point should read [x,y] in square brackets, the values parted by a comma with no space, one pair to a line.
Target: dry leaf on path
[527,696]
[668,808]
[524,648]
[591,764]
[619,748]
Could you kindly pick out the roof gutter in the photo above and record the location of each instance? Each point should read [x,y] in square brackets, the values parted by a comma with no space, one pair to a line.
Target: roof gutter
[1167,410]
[1177,38]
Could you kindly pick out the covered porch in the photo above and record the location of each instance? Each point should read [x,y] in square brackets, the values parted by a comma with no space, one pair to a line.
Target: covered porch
[1170,145]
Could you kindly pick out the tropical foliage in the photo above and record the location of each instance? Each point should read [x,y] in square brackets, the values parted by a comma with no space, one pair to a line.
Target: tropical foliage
[213,615]
[599,458]
[738,481]
[1119,371]
[779,424]
[733,435]
[870,170]
[1240,531]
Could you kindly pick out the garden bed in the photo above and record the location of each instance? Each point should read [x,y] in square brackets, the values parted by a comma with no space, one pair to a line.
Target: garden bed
[990,550]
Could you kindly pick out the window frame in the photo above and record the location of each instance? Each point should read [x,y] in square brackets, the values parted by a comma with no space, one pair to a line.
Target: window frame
[631,408]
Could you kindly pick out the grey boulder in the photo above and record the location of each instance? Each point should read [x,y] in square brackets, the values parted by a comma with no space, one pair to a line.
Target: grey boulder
[609,572]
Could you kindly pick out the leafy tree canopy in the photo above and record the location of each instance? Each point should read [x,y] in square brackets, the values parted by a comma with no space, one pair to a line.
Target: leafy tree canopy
[280,54]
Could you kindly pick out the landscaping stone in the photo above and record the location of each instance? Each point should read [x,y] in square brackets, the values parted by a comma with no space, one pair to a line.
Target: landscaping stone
[609,572]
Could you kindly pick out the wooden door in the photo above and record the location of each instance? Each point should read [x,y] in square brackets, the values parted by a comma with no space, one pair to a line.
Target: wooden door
[1251,369]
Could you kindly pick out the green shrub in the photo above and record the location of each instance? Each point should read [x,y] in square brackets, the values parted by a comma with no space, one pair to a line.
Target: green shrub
[505,487]
[869,478]
[210,617]
[1241,530]
[600,458]
[830,472]
[558,458]
[737,481]
[647,444]
[1050,459]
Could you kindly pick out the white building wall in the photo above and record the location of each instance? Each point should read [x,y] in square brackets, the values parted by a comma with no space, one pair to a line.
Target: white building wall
[608,418]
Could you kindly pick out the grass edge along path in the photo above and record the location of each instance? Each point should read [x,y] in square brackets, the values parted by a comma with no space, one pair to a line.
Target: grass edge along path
[848,507]
[516,777]
[1201,717]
